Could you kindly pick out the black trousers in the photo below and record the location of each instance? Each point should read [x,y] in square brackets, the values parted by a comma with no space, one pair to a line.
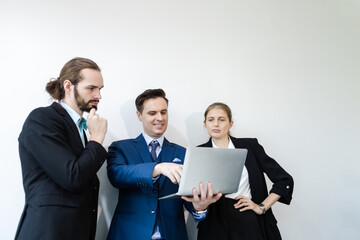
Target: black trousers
[227,223]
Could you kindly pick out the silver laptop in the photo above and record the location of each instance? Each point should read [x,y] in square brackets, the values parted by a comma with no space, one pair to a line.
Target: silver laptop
[222,167]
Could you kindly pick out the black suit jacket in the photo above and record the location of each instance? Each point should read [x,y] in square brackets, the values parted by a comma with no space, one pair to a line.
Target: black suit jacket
[59,177]
[257,163]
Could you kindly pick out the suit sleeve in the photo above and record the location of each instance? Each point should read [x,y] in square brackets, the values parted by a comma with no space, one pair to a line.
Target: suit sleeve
[123,169]
[46,140]
[283,183]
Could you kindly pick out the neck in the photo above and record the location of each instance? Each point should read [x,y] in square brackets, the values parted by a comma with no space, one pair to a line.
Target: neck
[221,142]
[73,106]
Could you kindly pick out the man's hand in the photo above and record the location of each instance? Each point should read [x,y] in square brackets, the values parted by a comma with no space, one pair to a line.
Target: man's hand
[206,198]
[171,170]
[97,126]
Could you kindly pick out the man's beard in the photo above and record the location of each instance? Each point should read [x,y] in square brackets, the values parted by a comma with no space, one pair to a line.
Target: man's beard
[80,102]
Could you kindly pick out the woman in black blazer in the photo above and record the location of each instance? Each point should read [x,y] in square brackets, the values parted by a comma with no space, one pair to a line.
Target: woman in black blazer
[246,214]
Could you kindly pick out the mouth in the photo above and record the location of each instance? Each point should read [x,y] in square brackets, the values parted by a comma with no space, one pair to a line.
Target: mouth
[215,130]
[158,125]
[94,102]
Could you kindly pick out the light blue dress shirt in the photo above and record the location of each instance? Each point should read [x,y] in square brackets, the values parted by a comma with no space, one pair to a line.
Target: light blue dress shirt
[197,216]
[76,118]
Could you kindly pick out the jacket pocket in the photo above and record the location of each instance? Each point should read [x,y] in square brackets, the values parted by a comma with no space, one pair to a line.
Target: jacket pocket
[57,200]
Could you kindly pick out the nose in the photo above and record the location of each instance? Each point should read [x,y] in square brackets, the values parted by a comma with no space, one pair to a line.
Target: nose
[216,122]
[159,117]
[97,94]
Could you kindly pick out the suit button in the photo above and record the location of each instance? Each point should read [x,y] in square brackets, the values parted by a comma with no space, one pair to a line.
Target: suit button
[287,187]
[154,190]
[152,211]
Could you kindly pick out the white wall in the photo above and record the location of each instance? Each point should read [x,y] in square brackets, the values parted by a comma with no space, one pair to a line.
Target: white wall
[288,69]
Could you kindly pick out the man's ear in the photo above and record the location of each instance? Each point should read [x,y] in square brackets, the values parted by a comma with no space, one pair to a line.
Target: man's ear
[67,86]
[138,115]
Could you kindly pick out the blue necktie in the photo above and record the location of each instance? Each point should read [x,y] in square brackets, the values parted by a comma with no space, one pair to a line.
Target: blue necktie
[154,144]
[82,124]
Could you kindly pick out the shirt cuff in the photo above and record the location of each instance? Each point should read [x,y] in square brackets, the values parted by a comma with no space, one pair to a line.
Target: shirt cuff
[155,178]
[200,216]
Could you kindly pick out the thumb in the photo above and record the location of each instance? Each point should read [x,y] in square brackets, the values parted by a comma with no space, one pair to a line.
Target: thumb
[92,112]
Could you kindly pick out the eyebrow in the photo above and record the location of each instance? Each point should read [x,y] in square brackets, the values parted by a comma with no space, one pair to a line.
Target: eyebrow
[217,117]
[152,111]
[94,86]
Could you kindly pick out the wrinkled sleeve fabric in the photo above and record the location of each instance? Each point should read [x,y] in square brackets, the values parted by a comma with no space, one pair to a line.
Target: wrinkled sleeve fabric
[283,183]
[125,174]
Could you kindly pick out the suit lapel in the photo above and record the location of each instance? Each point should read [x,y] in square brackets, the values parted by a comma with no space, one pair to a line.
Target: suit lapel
[142,148]
[238,143]
[85,137]
[208,144]
[69,121]
[166,155]
[251,162]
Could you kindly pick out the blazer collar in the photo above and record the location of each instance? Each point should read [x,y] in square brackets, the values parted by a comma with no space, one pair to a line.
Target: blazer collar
[236,141]
[207,144]
[62,112]
[142,148]
[166,154]
[59,109]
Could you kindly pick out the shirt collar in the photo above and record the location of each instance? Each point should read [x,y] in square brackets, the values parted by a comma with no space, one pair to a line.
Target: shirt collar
[149,139]
[230,145]
[73,114]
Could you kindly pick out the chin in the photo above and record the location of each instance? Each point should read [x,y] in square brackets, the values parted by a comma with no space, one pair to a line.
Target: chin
[216,135]
[88,109]
[159,133]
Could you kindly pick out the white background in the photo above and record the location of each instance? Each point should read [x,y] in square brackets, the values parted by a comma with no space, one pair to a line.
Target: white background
[288,69]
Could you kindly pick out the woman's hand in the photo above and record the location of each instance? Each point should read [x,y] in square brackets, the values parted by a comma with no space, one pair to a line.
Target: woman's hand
[245,203]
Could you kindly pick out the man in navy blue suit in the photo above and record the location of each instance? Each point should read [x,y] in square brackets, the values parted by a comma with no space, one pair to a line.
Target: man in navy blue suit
[58,163]
[146,168]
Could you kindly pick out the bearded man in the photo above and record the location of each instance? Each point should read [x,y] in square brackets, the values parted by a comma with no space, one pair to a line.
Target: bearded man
[59,164]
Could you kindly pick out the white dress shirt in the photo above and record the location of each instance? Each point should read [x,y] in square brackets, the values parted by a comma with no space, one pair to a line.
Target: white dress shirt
[244,186]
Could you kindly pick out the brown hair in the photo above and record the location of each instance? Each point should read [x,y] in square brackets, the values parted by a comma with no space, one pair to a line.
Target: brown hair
[71,72]
[147,94]
[220,105]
